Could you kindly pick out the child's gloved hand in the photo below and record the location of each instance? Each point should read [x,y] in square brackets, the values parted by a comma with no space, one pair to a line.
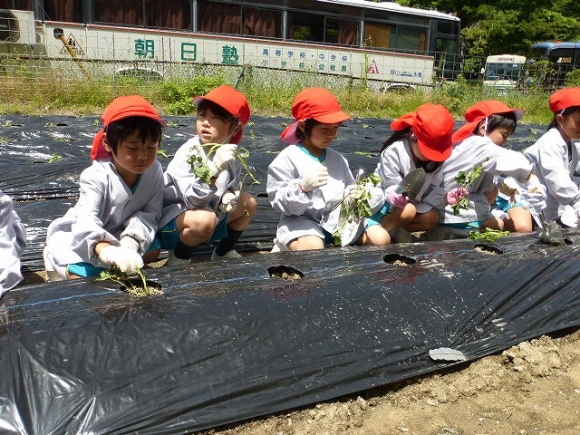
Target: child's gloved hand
[533,185]
[130,243]
[535,202]
[125,259]
[397,199]
[314,180]
[229,202]
[224,155]
[456,195]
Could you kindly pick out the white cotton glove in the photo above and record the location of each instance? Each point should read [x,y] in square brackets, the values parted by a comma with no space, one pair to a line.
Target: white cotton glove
[223,156]
[125,259]
[130,243]
[570,217]
[221,183]
[533,185]
[534,202]
[200,152]
[352,194]
[510,188]
[229,202]
[314,180]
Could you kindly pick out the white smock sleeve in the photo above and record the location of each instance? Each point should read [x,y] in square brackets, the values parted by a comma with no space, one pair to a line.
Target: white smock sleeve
[12,244]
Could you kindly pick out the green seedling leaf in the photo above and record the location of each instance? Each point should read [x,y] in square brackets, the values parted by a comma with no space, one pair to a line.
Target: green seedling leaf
[489,235]
[356,205]
[124,280]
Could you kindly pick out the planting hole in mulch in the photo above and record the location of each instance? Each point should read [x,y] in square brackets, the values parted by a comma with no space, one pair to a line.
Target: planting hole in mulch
[486,249]
[285,272]
[135,288]
[399,260]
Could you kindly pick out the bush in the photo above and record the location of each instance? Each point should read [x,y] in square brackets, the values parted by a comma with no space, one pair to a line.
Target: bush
[179,93]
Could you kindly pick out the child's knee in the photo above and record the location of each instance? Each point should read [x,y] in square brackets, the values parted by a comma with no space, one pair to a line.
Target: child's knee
[249,203]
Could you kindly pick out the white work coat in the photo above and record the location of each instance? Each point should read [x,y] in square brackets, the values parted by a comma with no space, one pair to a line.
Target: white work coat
[557,166]
[309,213]
[106,211]
[183,190]
[12,244]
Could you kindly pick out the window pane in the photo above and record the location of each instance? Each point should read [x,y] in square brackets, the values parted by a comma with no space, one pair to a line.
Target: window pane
[378,35]
[128,12]
[63,10]
[341,31]
[220,18]
[306,27]
[260,22]
[169,15]
[410,39]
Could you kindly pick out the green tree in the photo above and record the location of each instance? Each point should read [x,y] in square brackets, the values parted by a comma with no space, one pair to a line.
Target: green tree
[509,26]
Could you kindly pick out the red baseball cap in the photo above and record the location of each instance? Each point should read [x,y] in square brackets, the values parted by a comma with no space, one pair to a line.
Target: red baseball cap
[433,126]
[232,101]
[121,108]
[314,103]
[478,112]
[564,98]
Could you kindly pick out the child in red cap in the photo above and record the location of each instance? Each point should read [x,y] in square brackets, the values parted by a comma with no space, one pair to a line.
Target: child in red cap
[497,121]
[462,205]
[121,194]
[12,244]
[556,156]
[308,180]
[421,140]
[200,207]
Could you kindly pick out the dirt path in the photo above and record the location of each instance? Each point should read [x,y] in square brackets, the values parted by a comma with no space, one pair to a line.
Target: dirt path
[530,389]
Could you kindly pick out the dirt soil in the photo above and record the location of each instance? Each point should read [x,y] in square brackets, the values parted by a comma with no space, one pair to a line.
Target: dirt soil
[531,389]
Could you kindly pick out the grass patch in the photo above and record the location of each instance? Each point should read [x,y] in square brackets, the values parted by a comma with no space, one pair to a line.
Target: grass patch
[42,91]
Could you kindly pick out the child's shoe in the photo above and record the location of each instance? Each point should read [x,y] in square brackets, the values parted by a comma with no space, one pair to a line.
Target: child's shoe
[278,247]
[173,261]
[230,255]
[51,274]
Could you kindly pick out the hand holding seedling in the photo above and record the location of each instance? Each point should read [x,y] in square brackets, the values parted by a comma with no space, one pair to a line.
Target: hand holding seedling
[397,199]
[123,278]
[354,207]
[224,155]
[126,260]
[206,169]
[458,198]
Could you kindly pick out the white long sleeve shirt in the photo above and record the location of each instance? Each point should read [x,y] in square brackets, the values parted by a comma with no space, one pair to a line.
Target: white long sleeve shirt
[396,161]
[106,211]
[557,166]
[307,213]
[472,152]
[12,244]
[183,190]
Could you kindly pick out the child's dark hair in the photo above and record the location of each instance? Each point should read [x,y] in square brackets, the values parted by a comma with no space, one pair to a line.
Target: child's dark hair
[117,131]
[397,136]
[507,120]
[218,111]
[565,112]
[309,124]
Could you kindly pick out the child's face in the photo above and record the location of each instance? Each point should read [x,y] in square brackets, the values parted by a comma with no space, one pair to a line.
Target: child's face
[570,124]
[133,156]
[212,129]
[423,162]
[321,137]
[500,135]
